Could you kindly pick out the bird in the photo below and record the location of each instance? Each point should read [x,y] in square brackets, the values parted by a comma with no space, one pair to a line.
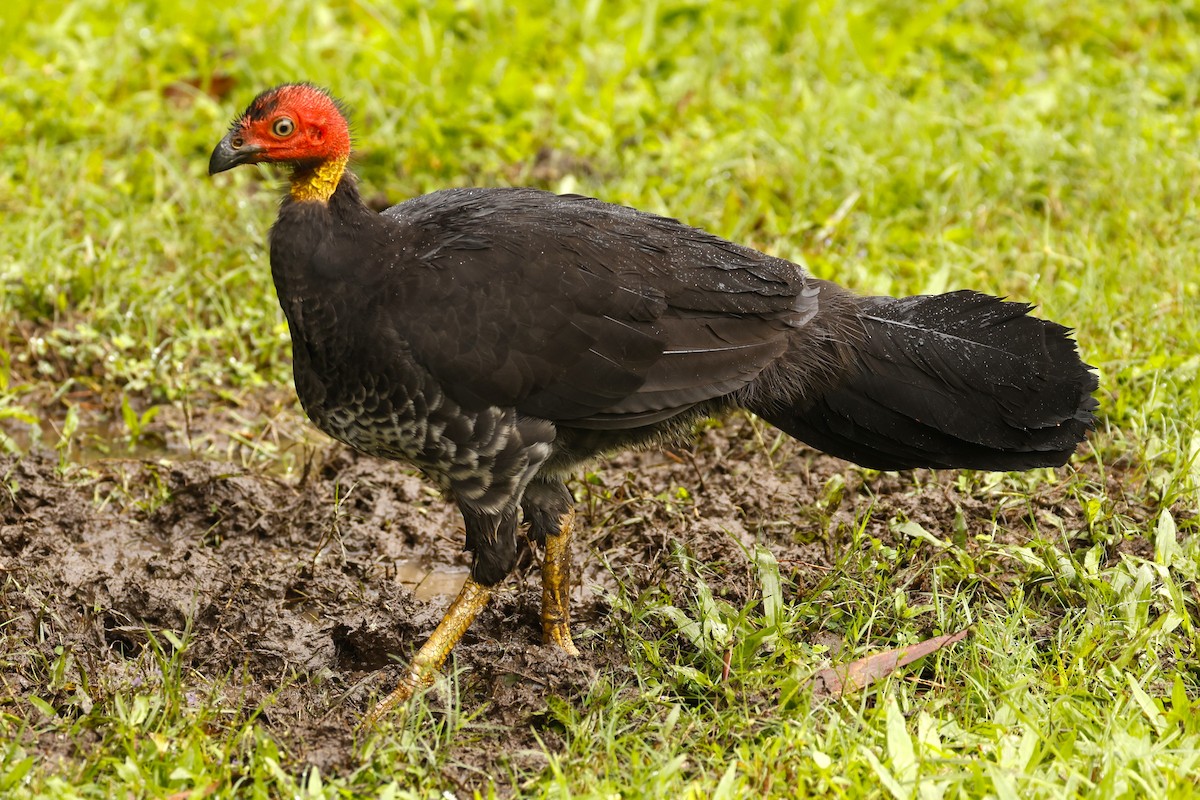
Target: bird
[501,338]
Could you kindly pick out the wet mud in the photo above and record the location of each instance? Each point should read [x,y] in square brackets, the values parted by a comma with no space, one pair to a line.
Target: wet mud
[297,599]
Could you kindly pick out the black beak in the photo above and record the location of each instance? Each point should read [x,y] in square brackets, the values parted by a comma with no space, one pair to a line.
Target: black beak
[227,155]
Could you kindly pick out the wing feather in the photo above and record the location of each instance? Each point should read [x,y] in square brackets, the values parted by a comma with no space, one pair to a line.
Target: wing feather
[581,312]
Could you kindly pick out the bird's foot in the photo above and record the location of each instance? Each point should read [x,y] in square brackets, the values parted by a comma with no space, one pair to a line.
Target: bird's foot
[556,587]
[559,635]
[412,683]
[425,664]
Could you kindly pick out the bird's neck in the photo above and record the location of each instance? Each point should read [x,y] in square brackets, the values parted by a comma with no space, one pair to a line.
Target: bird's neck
[317,184]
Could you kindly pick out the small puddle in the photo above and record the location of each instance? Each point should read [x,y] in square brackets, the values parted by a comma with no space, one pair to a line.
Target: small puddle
[428,581]
[87,443]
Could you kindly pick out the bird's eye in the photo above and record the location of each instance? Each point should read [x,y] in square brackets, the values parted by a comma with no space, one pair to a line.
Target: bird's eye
[283,127]
[237,142]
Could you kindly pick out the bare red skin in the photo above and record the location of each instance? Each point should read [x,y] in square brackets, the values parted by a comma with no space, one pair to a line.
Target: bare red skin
[320,132]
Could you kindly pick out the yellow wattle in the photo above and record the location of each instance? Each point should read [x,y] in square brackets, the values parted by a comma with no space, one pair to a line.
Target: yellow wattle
[318,184]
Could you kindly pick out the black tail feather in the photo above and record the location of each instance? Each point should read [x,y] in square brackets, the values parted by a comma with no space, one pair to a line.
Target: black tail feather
[960,380]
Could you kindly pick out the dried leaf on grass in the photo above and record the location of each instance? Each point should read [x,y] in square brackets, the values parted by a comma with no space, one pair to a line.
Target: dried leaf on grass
[836,681]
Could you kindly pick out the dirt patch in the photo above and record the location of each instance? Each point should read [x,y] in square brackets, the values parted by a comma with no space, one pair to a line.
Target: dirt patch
[290,597]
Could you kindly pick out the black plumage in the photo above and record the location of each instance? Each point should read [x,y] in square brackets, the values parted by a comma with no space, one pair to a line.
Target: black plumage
[498,338]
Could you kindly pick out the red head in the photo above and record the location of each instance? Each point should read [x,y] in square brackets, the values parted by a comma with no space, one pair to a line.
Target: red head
[295,124]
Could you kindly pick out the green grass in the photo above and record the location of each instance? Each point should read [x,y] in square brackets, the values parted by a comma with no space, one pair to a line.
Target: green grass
[1038,149]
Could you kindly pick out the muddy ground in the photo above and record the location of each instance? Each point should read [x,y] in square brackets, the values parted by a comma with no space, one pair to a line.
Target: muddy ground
[297,593]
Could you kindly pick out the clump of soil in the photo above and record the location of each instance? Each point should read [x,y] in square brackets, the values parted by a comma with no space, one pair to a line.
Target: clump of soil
[287,597]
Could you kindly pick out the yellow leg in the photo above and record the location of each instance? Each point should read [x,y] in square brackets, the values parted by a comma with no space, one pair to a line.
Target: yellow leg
[556,587]
[459,616]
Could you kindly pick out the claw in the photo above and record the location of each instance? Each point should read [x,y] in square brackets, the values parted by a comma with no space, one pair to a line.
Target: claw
[425,664]
[556,587]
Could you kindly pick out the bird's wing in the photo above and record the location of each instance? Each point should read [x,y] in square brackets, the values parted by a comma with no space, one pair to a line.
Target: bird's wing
[580,311]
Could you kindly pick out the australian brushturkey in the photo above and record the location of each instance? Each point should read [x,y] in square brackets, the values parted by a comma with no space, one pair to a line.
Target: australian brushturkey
[499,338]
